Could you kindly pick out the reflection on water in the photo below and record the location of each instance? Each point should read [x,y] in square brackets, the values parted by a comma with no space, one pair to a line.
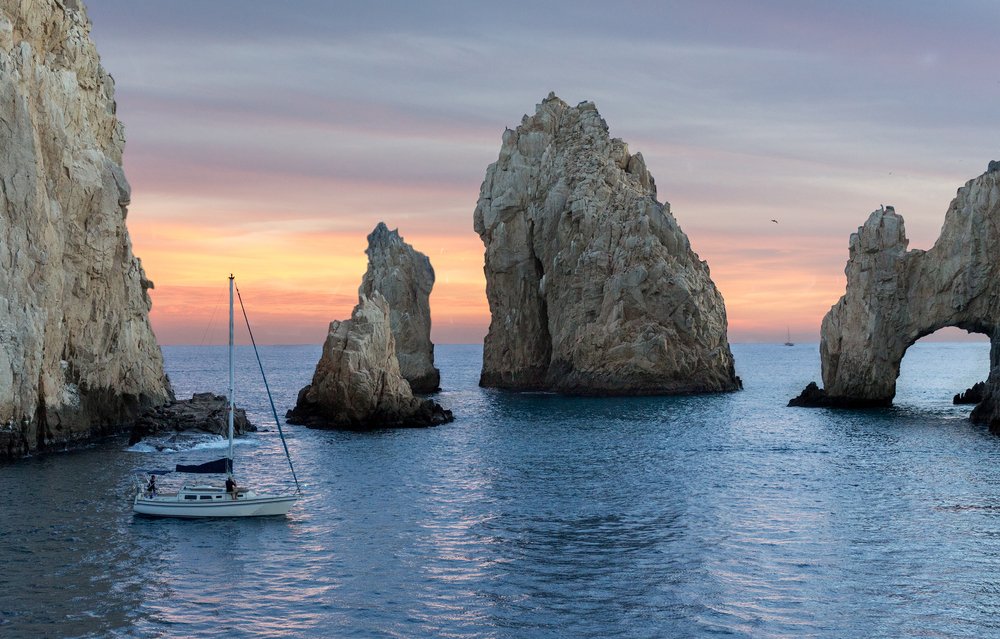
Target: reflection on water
[538,515]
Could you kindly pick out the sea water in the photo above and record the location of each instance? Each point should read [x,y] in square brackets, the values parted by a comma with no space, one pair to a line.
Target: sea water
[536,515]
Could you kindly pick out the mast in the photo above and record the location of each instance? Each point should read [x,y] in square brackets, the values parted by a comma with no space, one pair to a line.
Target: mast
[232,375]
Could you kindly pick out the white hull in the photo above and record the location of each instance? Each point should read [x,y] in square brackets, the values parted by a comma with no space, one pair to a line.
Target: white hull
[248,505]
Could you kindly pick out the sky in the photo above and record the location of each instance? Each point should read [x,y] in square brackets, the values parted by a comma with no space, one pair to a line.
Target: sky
[268,139]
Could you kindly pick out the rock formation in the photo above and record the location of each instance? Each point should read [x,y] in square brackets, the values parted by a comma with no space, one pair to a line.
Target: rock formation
[593,287]
[894,297]
[357,383]
[204,412]
[972,395]
[77,356]
[405,278]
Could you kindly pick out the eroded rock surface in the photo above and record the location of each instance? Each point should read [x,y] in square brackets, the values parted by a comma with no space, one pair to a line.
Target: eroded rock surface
[204,412]
[405,278]
[77,356]
[357,383]
[895,296]
[593,287]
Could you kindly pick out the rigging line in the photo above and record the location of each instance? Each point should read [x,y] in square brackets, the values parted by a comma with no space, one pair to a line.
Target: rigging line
[211,319]
[274,410]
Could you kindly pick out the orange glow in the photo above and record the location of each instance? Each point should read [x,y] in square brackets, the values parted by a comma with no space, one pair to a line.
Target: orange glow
[294,282]
[297,248]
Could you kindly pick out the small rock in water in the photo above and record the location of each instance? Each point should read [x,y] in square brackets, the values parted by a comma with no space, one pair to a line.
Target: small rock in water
[204,412]
[973,395]
[811,396]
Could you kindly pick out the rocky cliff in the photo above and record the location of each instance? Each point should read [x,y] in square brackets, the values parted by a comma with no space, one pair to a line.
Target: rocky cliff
[77,356]
[895,296]
[357,383]
[592,285]
[405,278]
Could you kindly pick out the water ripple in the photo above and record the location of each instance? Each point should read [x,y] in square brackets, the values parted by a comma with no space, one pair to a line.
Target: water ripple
[536,515]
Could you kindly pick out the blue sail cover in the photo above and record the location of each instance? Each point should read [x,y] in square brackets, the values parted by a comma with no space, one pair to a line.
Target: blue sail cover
[217,466]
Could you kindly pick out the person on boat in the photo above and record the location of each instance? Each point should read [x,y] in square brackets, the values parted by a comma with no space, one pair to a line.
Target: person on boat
[231,486]
[151,486]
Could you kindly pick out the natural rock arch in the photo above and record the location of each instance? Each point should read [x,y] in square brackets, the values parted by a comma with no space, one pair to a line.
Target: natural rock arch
[894,297]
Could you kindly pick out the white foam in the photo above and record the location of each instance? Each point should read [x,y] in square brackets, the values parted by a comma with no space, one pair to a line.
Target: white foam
[185,442]
[141,447]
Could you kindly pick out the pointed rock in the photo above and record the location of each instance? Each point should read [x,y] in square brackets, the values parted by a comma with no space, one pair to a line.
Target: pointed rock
[405,278]
[78,358]
[593,287]
[357,383]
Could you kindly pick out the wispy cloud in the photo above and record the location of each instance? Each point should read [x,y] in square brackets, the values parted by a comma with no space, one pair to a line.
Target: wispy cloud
[276,136]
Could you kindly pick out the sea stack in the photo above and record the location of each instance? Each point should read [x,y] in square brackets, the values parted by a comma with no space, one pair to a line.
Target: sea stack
[78,358]
[357,383]
[405,278]
[593,288]
[895,296]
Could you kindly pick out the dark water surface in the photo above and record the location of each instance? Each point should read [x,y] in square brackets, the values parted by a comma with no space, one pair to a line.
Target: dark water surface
[540,516]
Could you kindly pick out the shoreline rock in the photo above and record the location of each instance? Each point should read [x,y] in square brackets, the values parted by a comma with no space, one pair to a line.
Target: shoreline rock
[204,412]
[593,288]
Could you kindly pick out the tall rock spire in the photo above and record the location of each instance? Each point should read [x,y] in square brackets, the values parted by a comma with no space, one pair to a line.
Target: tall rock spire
[405,278]
[593,287]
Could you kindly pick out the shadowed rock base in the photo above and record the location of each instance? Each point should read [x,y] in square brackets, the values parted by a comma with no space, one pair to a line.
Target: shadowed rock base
[815,397]
[315,415]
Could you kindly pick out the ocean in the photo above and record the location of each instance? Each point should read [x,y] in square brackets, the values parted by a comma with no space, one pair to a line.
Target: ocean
[536,515]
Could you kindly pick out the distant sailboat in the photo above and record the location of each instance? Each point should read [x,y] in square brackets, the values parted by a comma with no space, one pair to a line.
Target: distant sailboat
[204,500]
[788,339]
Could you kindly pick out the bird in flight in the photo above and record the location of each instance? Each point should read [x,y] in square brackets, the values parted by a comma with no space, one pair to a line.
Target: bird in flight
[775,221]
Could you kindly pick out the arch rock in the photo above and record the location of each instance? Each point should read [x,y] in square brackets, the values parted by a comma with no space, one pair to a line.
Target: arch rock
[896,296]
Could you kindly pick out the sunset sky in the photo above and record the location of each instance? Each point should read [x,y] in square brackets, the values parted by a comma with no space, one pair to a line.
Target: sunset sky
[268,139]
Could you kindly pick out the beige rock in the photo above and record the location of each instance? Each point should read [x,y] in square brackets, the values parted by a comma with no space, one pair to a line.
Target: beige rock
[77,355]
[895,296]
[357,383]
[592,285]
[405,278]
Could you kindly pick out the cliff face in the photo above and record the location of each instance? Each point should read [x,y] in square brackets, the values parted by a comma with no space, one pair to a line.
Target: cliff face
[894,297]
[77,355]
[405,278]
[357,383]
[592,285]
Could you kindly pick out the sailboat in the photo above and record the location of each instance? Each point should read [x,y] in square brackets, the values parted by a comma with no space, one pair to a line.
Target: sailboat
[209,500]
[788,339]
